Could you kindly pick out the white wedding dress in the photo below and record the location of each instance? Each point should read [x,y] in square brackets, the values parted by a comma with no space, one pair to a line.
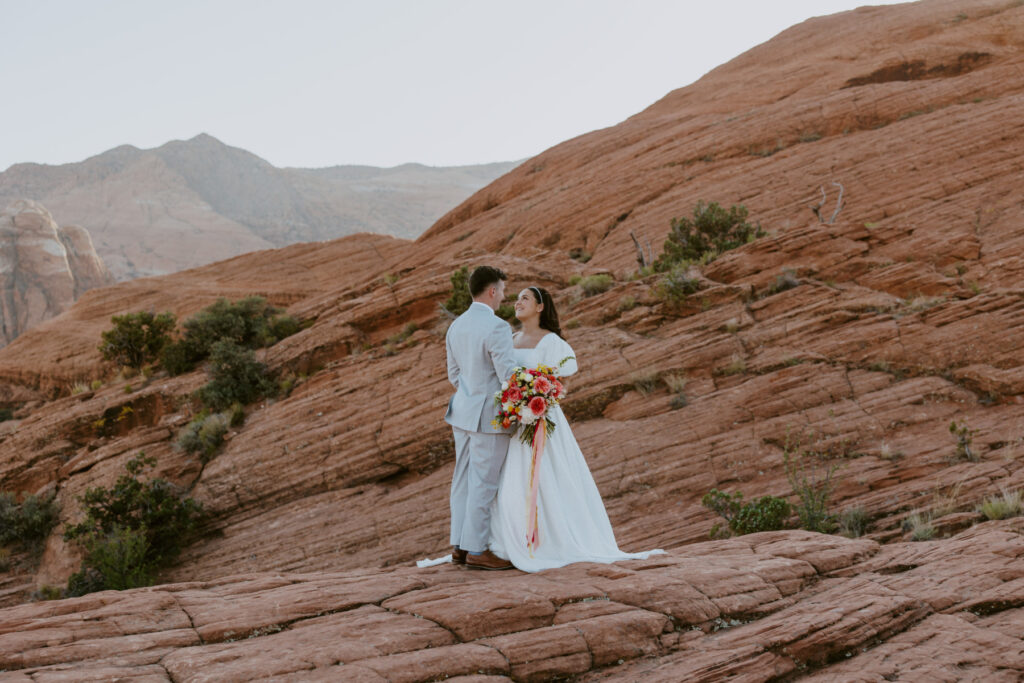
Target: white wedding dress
[572,522]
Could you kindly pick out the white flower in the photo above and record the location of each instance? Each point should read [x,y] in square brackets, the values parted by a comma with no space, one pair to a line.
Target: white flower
[504,386]
[527,418]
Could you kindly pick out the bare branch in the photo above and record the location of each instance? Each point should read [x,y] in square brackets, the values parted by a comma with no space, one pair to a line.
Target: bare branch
[839,203]
[640,258]
[817,209]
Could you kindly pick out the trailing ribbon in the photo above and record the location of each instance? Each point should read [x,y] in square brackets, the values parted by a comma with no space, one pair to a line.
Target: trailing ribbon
[532,528]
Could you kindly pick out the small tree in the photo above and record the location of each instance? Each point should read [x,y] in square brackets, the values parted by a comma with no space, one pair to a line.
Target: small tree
[811,479]
[711,231]
[130,530]
[137,338]
[235,377]
[460,298]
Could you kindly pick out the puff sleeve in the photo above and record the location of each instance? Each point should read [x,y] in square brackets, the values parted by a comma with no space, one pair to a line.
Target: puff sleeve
[556,350]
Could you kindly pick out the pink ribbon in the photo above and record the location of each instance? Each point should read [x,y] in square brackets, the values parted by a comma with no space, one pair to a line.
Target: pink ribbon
[532,528]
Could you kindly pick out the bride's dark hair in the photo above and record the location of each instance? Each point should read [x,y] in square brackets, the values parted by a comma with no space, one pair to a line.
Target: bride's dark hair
[549,314]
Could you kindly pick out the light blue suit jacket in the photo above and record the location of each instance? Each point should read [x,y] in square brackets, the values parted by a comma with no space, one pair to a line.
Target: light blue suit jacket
[480,358]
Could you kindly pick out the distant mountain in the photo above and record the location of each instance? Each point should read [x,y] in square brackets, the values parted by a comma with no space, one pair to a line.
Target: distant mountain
[188,203]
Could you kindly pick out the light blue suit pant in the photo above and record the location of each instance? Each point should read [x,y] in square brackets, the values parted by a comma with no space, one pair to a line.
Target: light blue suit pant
[478,461]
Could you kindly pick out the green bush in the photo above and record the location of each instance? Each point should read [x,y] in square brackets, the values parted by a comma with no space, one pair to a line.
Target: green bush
[204,435]
[811,479]
[596,284]
[250,323]
[137,338]
[675,285]
[711,231]
[235,377]
[767,513]
[6,414]
[27,523]
[460,298]
[130,529]
[116,560]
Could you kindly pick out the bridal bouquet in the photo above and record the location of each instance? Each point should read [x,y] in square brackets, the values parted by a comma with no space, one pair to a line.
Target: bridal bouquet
[526,399]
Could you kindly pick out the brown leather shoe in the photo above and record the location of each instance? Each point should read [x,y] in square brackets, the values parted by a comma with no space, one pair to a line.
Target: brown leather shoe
[487,560]
[458,555]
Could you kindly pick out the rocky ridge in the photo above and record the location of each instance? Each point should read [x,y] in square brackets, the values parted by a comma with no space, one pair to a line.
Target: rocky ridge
[874,331]
[149,209]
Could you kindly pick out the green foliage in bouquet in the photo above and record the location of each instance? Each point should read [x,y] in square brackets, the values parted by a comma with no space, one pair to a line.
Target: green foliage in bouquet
[712,231]
[137,338]
[767,513]
[130,530]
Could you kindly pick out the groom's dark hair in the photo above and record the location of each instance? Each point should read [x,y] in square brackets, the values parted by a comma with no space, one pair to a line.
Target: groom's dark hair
[483,277]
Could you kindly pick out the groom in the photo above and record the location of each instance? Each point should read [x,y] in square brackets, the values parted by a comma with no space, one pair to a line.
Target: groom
[479,346]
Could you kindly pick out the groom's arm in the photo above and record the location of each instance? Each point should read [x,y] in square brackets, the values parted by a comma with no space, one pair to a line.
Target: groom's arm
[499,346]
[453,367]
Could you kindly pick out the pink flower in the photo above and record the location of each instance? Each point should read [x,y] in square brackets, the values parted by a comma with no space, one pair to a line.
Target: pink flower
[541,385]
[538,406]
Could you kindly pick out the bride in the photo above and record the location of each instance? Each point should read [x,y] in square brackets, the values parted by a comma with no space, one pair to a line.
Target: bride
[572,524]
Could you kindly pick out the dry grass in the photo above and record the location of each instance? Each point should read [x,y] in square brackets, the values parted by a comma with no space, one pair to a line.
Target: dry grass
[1006,504]
[920,526]
[644,381]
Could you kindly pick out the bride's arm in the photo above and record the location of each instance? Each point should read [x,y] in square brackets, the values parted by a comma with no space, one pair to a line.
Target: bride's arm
[559,351]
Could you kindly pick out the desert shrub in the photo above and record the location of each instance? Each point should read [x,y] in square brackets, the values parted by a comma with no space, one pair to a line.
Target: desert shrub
[787,279]
[626,303]
[920,527]
[596,284]
[235,377]
[811,479]
[767,513]
[1007,504]
[137,338]
[853,521]
[6,414]
[250,323]
[460,298]
[204,435]
[645,381]
[964,437]
[675,285]
[27,523]
[711,231]
[130,529]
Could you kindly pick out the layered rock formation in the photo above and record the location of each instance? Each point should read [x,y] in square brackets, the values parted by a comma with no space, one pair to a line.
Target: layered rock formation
[873,332]
[44,268]
[189,203]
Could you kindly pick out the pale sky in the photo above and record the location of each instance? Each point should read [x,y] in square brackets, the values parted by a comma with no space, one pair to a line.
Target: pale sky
[324,82]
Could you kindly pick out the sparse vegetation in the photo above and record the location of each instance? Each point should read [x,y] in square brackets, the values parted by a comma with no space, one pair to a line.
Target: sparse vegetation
[626,303]
[595,284]
[677,387]
[579,254]
[1006,504]
[6,414]
[787,279]
[853,521]
[137,338]
[887,452]
[204,435]
[28,523]
[79,388]
[736,366]
[711,231]
[676,284]
[130,530]
[964,437]
[810,476]
[767,513]
[920,526]
[645,382]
